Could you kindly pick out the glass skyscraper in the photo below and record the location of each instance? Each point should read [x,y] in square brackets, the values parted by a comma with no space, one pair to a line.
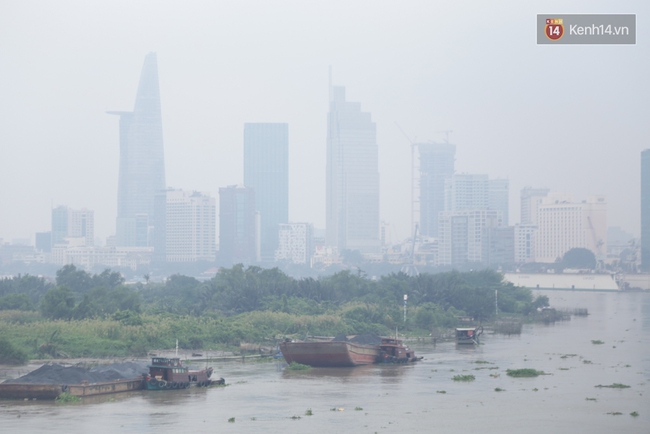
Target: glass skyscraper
[142,163]
[436,166]
[352,202]
[266,170]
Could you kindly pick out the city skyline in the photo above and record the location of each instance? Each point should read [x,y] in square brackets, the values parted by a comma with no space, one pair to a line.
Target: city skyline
[574,128]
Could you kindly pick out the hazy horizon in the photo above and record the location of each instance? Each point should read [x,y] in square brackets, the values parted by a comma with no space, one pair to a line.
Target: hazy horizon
[568,118]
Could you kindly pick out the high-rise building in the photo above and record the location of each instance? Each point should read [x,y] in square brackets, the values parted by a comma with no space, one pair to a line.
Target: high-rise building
[525,243]
[352,190]
[82,225]
[295,243]
[185,226]
[461,234]
[436,166]
[499,245]
[266,170]
[238,225]
[59,224]
[43,242]
[498,197]
[530,200]
[645,210]
[71,223]
[466,191]
[142,164]
[564,224]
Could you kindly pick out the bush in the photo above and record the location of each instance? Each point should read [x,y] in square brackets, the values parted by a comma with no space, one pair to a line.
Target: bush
[9,354]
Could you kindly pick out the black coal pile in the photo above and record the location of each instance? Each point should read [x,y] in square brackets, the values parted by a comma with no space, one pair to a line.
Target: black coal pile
[118,371]
[367,339]
[364,339]
[57,374]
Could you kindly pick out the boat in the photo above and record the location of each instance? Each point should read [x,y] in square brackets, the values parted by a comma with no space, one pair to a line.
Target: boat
[468,335]
[340,351]
[169,373]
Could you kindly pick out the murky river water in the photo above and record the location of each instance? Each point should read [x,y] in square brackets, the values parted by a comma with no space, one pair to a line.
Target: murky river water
[262,397]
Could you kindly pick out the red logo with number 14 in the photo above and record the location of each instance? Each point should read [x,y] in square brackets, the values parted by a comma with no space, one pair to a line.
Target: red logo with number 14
[554,29]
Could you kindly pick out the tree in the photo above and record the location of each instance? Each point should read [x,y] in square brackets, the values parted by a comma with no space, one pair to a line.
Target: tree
[352,257]
[58,303]
[579,258]
[77,280]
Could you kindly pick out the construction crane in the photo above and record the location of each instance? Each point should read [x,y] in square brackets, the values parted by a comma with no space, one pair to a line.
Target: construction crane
[414,199]
[410,268]
[597,243]
[446,134]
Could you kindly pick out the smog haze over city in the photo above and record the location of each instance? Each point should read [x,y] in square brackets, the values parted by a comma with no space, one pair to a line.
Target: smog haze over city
[570,118]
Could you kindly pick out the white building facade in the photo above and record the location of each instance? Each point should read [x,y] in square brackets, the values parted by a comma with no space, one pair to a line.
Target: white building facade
[564,224]
[189,220]
[295,243]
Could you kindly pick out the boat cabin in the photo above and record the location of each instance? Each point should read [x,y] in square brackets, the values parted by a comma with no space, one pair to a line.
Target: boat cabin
[468,335]
[172,370]
[392,350]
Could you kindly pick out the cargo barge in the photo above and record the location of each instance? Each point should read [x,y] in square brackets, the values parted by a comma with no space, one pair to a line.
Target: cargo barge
[341,352]
[51,391]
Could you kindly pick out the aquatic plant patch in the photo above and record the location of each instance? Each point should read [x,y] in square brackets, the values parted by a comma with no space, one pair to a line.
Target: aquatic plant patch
[293,366]
[614,386]
[66,397]
[526,372]
[597,342]
[464,378]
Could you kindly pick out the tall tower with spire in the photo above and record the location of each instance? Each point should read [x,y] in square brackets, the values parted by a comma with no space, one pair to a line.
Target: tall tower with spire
[352,207]
[142,160]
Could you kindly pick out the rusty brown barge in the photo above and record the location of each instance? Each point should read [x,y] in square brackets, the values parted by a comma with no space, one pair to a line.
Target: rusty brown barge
[340,352]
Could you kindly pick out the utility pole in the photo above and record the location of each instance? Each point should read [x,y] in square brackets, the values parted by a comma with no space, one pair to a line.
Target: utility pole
[496,301]
[405,298]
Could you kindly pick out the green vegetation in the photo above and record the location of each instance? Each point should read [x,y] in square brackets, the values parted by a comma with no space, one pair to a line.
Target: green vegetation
[358,408]
[597,342]
[293,366]
[441,391]
[498,389]
[464,378]
[579,258]
[590,399]
[231,420]
[309,412]
[526,372]
[615,413]
[66,397]
[615,386]
[634,414]
[86,315]
[9,354]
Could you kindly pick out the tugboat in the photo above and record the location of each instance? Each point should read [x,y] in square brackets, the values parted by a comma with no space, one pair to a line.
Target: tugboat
[394,351]
[169,373]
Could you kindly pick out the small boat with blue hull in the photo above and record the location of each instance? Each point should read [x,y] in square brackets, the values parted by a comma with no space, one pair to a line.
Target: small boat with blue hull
[169,373]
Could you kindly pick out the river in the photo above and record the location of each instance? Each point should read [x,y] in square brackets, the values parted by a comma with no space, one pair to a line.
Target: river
[407,398]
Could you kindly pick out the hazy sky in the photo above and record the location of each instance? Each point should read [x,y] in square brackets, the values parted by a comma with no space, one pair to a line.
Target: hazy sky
[570,118]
